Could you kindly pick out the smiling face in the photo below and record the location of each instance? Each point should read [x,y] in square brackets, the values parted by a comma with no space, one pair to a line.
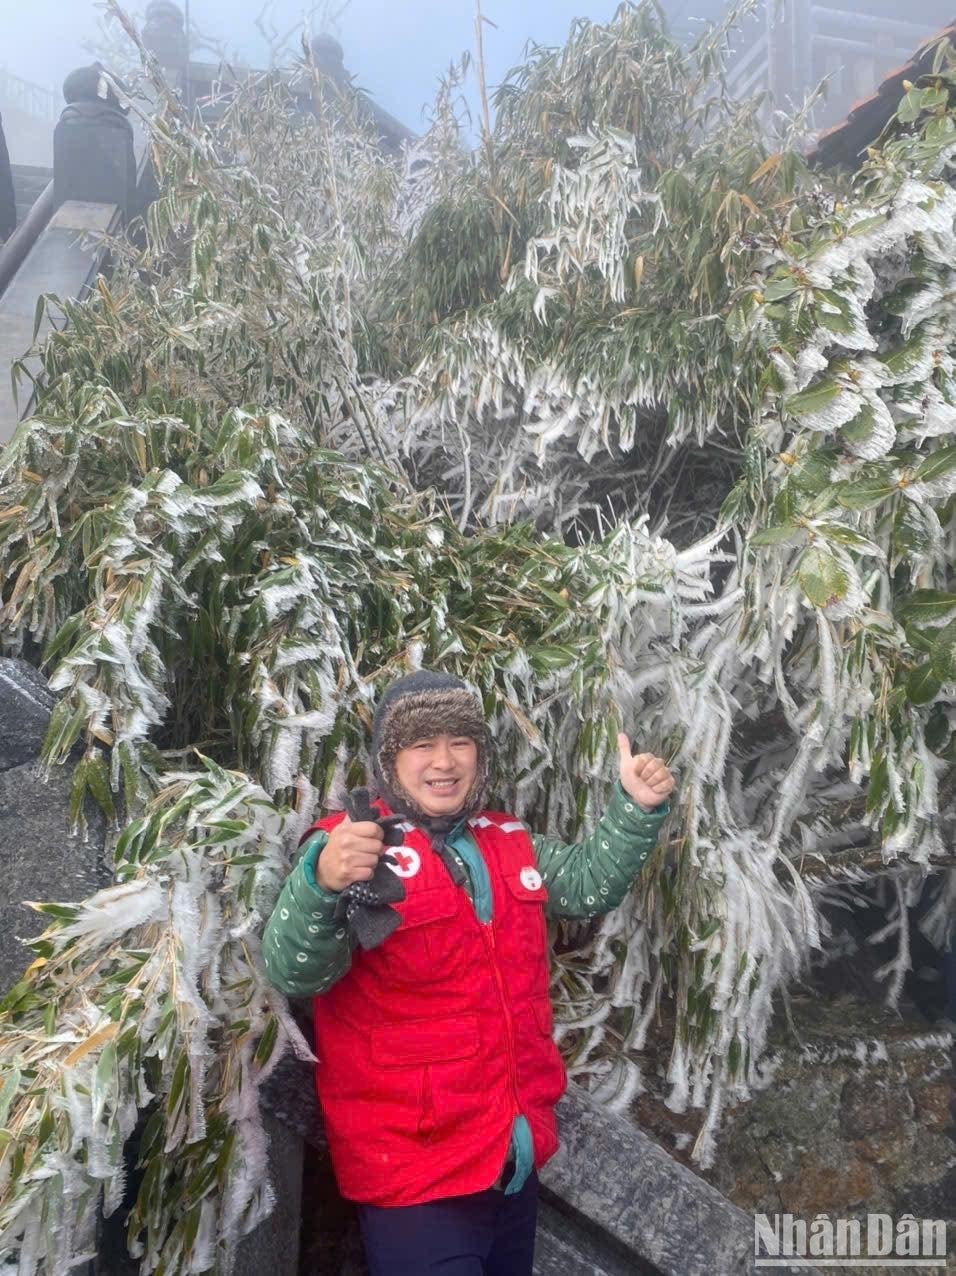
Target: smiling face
[438,773]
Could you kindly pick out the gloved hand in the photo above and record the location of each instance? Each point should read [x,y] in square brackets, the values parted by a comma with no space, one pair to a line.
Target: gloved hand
[366,906]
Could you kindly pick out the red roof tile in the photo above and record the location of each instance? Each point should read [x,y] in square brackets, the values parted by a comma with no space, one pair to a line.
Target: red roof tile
[842,143]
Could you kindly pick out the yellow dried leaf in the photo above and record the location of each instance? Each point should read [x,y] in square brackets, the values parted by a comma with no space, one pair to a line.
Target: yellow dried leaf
[99,1038]
[769,164]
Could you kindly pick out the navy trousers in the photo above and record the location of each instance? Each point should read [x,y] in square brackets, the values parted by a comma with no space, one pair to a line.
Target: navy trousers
[484,1234]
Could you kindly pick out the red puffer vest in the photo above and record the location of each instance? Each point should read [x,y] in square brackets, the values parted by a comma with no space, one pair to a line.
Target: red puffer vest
[433,1042]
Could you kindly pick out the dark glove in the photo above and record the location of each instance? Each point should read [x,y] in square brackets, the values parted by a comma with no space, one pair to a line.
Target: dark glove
[366,906]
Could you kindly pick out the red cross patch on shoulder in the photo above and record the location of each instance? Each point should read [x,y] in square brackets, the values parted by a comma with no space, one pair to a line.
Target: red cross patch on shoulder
[407,861]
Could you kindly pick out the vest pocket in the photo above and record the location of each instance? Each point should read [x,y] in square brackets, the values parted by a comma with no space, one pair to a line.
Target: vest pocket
[421,1041]
[529,935]
[544,1014]
[527,886]
[426,945]
[415,1054]
[543,1059]
[427,904]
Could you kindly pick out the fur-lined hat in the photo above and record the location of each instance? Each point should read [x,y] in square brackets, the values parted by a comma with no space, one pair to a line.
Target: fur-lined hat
[417,707]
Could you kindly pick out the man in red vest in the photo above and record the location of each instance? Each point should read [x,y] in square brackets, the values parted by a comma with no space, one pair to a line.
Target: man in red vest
[419,927]
[8,199]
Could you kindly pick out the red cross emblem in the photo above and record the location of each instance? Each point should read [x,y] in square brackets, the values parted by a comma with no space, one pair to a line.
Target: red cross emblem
[407,861]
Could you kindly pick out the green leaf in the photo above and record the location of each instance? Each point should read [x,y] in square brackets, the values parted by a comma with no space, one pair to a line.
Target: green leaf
[740,317]
[910,107]
[735,503]
[39,310]
[861,493]
[545,659]
[66,723]
[905,359]
[934,98]
[177,1088]
[922,684]
[813,472]
[866,224]
[777,535]
[266,1042]
[843,535]
[860,429]
[878,787]
[46,1126]
[785,505]
[935,466]
[98,782]
[943,658]
[821,577]
[10,1086]
[911,535]
[103,1081]
[77,794]
[812,400]
[62,912]
[780,289]
[922,640]
[926,605]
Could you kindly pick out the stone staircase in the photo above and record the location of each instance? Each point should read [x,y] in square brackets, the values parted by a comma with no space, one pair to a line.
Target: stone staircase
[565,1246]
[29,182]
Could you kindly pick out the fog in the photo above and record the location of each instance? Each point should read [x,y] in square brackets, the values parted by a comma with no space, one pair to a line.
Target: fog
[396,49]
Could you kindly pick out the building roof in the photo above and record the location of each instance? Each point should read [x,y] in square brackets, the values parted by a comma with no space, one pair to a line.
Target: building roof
[205,76]
[843,143]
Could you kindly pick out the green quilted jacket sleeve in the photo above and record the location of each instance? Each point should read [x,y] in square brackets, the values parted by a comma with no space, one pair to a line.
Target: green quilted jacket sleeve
[593,876]
[305,949]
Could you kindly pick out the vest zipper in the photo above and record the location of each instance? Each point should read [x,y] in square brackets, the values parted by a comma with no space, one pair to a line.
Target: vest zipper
[426,1124]
[488,934]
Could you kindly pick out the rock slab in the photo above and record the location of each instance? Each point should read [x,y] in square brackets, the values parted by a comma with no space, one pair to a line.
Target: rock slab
[634,1199]
[39,860]
[274,1246]
[26,703]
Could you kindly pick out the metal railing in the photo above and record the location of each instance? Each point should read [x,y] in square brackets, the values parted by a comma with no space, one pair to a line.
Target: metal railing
[18,94]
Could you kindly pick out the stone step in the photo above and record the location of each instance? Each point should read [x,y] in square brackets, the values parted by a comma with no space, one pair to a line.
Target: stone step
[563,1247]
[622,1202]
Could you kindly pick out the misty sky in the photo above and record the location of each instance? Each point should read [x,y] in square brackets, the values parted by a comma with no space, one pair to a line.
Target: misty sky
[395,48]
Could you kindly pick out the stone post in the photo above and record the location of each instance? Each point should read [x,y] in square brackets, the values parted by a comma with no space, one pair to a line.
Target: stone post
[94,158]
[164,34]
[330,57]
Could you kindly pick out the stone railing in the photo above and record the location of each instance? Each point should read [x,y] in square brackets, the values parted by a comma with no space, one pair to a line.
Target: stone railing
[17,94]
[100,180]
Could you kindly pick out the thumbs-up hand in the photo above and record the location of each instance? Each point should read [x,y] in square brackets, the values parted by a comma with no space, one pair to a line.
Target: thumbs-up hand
[644,777]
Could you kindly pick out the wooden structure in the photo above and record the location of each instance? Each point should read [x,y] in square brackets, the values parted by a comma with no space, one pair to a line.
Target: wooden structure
[843,144]
[791,45]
